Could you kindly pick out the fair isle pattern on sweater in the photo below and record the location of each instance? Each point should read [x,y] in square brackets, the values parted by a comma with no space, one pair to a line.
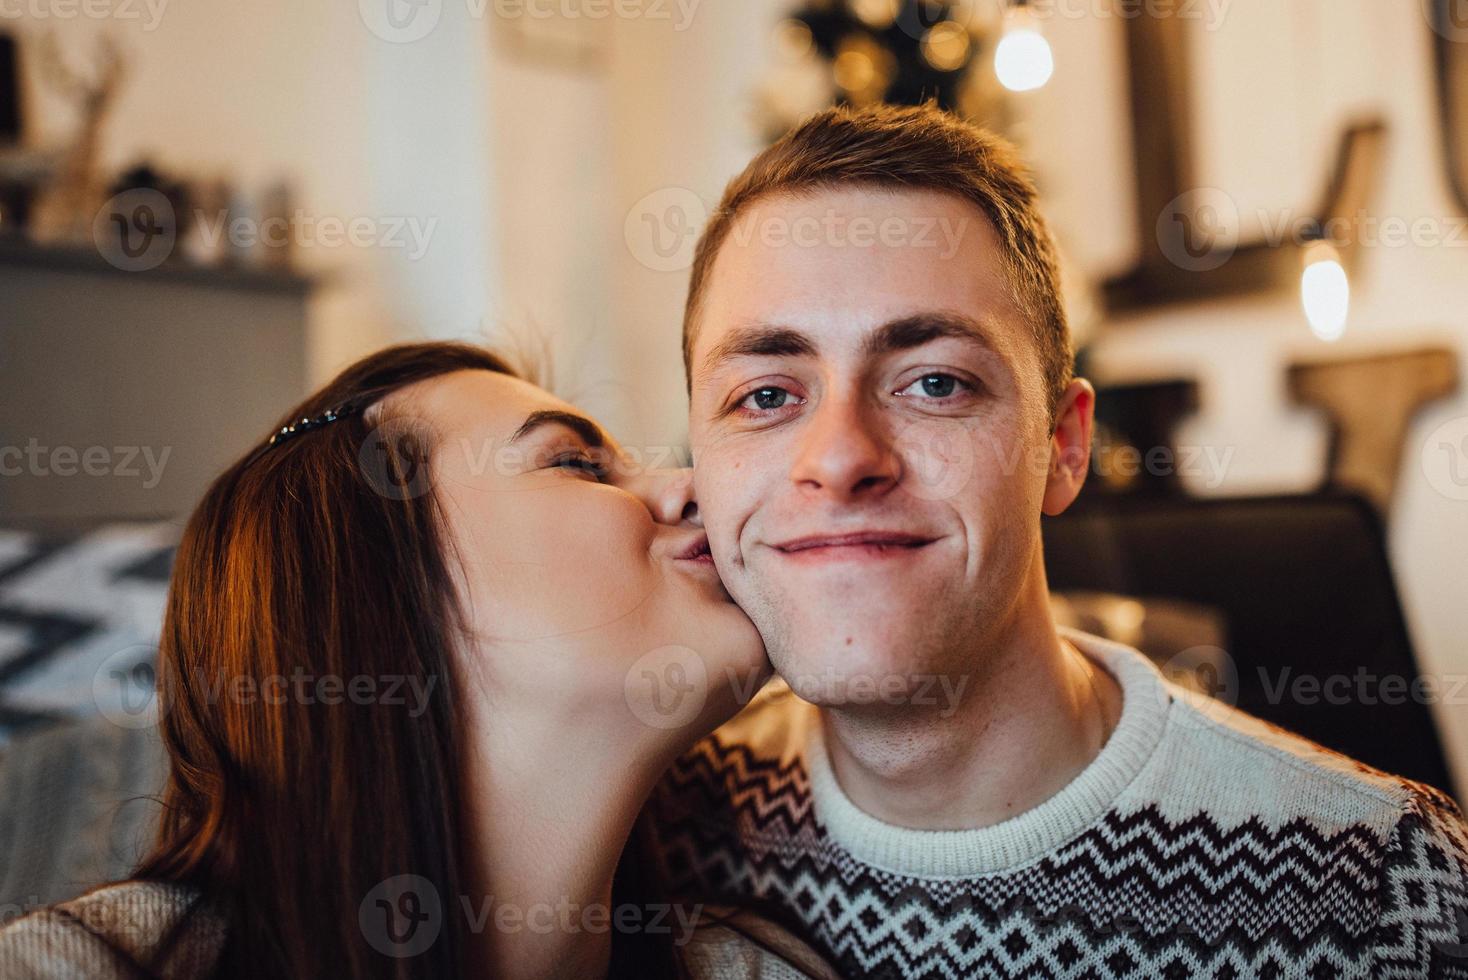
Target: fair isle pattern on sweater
[1200,843]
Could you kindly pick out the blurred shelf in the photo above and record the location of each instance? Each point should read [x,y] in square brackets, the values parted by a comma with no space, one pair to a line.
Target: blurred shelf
[17,252]
[187,366]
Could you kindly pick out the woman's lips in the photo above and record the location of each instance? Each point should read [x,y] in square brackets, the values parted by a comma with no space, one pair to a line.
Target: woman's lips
[695,555]
[697,551]
[698,561]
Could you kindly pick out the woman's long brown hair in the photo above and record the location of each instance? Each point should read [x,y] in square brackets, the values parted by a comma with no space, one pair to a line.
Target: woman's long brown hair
[317,558]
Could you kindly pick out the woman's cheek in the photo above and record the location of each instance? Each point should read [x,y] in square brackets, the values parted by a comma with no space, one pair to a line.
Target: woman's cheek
[598,569]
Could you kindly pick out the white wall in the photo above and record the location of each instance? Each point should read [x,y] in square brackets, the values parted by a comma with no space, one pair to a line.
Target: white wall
[360,127]
[667,111]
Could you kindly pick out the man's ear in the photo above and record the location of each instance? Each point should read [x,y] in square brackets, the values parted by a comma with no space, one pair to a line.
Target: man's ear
[1070,447]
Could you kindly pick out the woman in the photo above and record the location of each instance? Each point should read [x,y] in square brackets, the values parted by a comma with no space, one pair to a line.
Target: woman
[425,655]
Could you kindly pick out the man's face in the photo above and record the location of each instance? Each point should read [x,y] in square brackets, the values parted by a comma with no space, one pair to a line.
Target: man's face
[871,435]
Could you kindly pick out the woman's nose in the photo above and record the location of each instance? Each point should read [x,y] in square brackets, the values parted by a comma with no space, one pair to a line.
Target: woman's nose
[669,495]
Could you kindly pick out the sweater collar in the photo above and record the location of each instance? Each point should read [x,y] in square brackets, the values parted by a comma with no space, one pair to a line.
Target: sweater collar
[1029,835]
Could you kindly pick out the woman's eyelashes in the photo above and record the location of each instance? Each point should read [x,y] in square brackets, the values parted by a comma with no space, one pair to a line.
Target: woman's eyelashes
[579,462]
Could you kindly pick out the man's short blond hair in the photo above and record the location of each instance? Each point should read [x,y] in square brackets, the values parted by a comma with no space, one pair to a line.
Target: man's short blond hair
[916,148]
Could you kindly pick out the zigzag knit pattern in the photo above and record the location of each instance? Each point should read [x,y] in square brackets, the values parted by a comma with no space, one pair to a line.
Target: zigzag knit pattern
[1353,874]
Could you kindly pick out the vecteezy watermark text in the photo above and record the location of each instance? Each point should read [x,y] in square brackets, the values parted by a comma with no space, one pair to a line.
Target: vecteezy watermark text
[402,916]
[406,21]
[125,689]
[122,462]
[301,687]
[150,12]
[140,229]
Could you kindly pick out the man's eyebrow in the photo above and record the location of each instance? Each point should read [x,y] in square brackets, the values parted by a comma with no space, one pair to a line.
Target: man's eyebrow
[895,335]
[922,328]
[760,341]
[588,430]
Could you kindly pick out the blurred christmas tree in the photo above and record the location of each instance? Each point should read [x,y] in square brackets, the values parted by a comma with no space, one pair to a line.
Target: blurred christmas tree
[904,52]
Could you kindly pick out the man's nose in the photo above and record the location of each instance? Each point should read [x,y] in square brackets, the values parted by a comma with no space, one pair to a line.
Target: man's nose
[845,452]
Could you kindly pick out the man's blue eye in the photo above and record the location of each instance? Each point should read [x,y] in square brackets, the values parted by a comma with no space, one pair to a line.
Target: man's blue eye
[769,398]
[939,385]
[933,386]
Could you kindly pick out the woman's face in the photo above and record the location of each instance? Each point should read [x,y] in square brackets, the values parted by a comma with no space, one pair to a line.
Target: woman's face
[587,583]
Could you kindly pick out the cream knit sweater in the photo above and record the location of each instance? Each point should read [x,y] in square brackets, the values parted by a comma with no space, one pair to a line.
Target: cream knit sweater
[1200,842]
[145,929]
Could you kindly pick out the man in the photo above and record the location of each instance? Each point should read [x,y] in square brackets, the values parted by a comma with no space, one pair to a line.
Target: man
[882,408]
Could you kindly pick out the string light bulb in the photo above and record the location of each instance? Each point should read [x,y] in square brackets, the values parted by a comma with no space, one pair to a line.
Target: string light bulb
[946,46]
[876,14]
[1325,291]
[1023,60]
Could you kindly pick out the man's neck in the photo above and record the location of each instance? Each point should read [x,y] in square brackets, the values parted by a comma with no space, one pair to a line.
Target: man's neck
[1034,714]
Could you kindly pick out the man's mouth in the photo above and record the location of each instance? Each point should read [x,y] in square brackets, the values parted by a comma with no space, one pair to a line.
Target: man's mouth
[853,545]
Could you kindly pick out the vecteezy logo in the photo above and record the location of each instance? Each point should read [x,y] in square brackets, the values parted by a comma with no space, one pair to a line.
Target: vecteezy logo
[124,687]
[407,913]
[938,457]
[395,459]
[1445,459]
[667,687]
[1450,948]
[135,230]
[916,19]
[1199,673]
[400,21]
[662,229]
[1449,18]
[1198,231]
[401,916]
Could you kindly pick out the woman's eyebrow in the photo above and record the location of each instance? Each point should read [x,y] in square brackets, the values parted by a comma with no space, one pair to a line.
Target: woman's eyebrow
[588,430]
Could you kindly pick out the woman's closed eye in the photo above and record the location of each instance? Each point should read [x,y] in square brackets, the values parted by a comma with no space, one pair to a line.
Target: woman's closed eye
[579,462]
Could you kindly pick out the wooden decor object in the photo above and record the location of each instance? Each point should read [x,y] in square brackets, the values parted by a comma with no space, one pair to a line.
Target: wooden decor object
[1371,402]
[1189,250]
